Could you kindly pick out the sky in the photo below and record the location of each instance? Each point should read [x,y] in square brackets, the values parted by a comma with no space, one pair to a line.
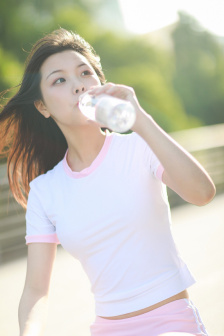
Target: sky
[142,16]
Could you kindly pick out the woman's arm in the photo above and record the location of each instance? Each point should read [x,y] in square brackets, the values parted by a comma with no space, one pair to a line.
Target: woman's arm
[34,300]
[182,172]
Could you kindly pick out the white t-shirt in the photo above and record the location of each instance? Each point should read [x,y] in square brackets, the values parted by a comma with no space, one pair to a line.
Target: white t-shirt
[114,217]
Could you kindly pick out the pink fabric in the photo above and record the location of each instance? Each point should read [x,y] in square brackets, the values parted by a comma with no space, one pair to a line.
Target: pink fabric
[87,171]
[178,316]
[51,238]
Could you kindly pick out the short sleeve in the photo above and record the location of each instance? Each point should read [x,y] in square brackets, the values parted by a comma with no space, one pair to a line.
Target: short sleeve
[150,159]
[39,228]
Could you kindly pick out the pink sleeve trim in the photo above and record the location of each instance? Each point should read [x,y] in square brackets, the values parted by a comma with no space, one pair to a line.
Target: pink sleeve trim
[51,238]
[159,172]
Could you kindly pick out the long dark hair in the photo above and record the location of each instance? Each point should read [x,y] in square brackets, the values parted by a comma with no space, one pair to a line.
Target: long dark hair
[34,144]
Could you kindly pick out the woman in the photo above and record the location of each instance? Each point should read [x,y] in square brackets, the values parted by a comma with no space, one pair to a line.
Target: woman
[100,194]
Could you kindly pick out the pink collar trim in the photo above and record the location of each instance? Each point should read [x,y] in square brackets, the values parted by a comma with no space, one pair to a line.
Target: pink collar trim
[98,160]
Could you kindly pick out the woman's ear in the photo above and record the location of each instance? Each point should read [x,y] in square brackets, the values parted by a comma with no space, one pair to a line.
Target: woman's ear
[41,108]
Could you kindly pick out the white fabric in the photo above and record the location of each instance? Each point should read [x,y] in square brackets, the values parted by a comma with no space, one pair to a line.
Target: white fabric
[116,221]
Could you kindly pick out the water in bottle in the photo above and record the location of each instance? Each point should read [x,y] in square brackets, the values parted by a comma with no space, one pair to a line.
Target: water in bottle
[114,113]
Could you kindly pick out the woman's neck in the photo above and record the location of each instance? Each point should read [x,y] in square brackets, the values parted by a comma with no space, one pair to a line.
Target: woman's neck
[84,146]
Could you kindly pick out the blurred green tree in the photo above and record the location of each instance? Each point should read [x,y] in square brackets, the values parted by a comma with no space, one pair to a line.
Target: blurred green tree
[163,86]
[27,21]
[148,70]
[10,70]
[199,72]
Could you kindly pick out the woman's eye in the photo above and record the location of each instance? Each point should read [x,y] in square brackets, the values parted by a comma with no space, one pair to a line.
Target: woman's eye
[86,73]
[59,81]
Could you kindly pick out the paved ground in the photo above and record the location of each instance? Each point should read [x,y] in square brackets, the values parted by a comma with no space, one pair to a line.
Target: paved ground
[199,234]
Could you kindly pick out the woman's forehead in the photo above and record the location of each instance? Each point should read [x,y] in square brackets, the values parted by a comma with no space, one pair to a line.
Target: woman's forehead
[64,58]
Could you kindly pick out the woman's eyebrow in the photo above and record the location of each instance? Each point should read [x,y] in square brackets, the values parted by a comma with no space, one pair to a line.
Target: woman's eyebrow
[82,64]
[55,71]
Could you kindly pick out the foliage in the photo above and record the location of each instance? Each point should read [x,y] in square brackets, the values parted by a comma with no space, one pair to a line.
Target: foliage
[199,74]
[148,71]
[180,88]
[10,70]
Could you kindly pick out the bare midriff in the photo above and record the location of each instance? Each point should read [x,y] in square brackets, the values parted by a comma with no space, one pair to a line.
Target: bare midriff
[179,296]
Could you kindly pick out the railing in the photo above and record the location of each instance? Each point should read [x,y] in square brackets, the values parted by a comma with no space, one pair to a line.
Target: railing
[12,222]
[206,144]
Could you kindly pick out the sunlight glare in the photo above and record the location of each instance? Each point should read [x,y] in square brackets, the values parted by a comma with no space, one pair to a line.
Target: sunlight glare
[142,16]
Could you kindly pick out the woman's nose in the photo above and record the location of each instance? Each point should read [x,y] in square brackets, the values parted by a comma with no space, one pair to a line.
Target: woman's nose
[79,89]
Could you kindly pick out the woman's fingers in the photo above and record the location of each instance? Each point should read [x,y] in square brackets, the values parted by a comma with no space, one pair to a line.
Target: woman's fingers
[122,92]
[119,91]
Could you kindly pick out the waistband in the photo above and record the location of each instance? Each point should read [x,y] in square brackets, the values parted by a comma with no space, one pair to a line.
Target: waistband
[180,316]
[163,310]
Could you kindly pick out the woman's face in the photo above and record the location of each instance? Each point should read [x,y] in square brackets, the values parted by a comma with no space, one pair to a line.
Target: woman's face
[64,77]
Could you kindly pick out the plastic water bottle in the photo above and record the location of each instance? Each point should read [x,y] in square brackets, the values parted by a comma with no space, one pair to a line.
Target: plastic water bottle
[113,113]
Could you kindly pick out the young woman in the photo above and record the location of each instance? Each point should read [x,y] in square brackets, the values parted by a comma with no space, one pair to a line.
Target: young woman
[102,195]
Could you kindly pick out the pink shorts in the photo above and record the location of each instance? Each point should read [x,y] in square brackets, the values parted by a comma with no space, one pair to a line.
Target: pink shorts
[177,316]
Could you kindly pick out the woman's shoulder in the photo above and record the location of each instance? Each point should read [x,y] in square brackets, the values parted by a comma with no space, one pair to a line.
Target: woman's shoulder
[46,179]
[120,138]
[130,140]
